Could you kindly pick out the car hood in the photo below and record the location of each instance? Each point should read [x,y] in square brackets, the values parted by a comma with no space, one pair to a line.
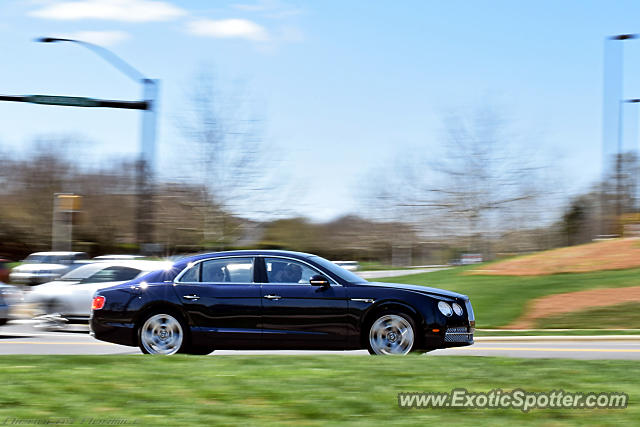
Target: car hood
[53,286]
[44,291]
[421,289]
[59,288]
[30,268]
[96,286]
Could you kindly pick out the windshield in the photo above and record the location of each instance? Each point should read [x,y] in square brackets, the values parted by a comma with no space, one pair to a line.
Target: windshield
[82,272]
[113,274]
[337,270]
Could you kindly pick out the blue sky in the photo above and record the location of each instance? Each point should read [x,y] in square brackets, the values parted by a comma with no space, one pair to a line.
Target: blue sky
[343,86]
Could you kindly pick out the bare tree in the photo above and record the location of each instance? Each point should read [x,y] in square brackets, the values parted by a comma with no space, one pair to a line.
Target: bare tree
[481,182]
[226,141]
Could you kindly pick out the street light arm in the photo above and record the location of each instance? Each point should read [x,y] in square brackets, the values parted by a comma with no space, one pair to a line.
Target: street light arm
[106,54]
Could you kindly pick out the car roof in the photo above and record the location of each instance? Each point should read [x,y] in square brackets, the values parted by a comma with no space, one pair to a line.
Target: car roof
[59,253]
[247,252]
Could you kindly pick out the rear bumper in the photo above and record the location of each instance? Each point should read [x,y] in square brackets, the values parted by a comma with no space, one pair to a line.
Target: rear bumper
[113,332]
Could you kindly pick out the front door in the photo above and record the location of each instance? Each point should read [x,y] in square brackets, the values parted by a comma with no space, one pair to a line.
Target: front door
[296,314]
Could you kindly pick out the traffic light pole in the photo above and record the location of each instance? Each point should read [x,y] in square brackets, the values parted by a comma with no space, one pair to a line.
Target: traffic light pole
[145,166]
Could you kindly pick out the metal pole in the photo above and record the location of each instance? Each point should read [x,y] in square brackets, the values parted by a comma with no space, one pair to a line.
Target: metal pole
[145,168]
[619,161]
[613,95]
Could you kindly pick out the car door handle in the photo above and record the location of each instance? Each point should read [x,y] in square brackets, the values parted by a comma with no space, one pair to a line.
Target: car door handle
[275,297]
[191,297]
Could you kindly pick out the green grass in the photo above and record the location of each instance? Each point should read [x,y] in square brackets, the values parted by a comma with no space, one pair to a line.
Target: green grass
[298,390]
[615,316]
[499,300]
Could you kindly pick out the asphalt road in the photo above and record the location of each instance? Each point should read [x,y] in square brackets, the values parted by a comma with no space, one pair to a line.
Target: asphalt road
[395,273]
[25,339]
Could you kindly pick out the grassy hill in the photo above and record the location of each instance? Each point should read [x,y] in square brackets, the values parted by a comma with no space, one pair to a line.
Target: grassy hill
[613,254]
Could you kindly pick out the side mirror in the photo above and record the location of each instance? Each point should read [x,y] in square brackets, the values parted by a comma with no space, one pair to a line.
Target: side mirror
[319,280]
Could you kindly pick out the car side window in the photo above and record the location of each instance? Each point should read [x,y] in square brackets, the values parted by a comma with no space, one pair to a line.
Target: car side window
[192,275]
[281,270]
[222,270]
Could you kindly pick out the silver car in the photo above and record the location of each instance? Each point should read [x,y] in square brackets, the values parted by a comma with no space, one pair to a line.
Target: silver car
[9,295]
[41,267]
[68,299]
[4,309]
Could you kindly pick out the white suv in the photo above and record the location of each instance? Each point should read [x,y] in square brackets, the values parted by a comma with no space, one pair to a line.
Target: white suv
[41,267]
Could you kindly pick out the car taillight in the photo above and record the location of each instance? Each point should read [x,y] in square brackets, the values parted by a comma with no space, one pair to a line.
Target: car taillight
[98,303]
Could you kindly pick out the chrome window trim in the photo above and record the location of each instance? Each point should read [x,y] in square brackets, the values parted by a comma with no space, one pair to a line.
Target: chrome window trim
[329,276]
[253,257]
[189,266]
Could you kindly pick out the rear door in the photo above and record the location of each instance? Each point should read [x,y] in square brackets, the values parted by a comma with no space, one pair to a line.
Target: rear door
[223,301]
[296,314]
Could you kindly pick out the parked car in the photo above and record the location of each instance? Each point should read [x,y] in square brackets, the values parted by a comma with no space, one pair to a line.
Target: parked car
[12,294]
[4,270]
[262,299]
[9,295]
[4,309]
[68,299]
[41,267]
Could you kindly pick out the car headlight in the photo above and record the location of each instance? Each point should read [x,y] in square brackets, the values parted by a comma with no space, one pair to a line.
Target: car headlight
[457,309]
[445,308]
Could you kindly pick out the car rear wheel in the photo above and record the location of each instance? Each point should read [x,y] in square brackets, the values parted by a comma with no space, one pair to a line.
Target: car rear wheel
[391,334]
[161,333]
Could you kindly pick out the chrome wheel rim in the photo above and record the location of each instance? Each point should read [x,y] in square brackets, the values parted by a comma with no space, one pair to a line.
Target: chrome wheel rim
[391,334]
[161,334]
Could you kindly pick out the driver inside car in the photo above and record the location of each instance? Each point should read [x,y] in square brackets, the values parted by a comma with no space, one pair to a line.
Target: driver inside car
[292,273]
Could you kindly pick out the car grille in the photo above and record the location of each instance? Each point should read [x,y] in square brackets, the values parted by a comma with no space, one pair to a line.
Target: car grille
[459,334]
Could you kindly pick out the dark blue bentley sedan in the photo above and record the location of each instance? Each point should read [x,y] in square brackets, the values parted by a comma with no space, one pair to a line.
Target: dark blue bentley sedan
[259,299]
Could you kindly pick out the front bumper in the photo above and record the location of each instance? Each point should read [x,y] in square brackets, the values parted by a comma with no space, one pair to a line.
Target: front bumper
[455,331]
[458,336]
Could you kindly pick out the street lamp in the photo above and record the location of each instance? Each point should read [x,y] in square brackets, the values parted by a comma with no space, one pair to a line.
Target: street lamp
[608,104]
[619,165]
[145,164]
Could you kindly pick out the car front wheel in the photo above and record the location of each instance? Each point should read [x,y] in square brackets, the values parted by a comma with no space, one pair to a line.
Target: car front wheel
[391,333]
[161,333]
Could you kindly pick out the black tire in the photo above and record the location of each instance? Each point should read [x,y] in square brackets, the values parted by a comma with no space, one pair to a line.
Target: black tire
[391,332]
[163,332]
[3,321]
[201,350]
